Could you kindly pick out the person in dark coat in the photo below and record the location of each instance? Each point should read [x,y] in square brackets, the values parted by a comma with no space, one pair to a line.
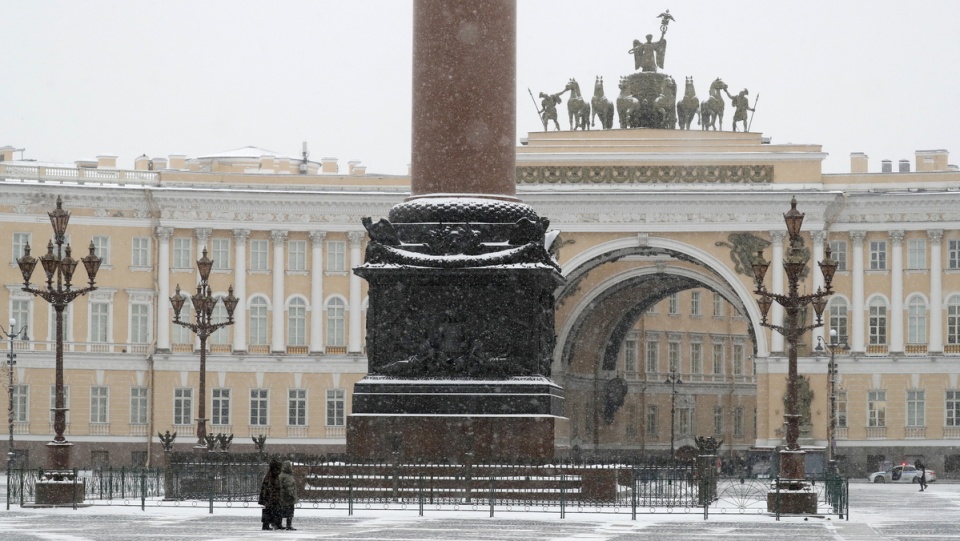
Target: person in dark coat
[288,493]
[270,497]
[923,474]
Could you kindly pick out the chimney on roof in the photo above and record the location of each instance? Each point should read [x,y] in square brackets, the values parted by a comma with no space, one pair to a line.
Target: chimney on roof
[329,165]
[142,163]
[858,162]
[932,160]
[904,166]
[886,166]
[351,165]
[105,161]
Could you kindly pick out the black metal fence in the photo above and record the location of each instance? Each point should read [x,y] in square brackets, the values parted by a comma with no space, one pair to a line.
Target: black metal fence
[560,488]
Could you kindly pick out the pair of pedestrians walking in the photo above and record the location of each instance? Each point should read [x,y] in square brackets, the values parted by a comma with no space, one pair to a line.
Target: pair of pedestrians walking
[278,496]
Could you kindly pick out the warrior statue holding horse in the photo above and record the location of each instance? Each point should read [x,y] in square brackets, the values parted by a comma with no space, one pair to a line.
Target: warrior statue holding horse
[578,109]
[602,107]
[711,110]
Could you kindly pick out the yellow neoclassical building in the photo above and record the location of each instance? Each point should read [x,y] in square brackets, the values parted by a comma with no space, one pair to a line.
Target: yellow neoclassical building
[659,335]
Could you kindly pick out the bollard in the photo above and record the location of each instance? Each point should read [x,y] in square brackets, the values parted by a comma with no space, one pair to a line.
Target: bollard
[634,485]
[210,484]
[491,496]
[143,490]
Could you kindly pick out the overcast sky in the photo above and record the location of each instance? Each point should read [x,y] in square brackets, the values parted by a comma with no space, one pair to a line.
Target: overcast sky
[194,77]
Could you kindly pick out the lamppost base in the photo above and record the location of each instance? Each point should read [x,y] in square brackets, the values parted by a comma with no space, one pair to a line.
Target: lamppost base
[58,455]
[792,497]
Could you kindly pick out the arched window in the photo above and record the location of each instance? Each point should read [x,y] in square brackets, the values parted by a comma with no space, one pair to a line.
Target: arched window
[878,322]
[297,322]
[838,317]
[181,334]
[258,321]
[953,320]
[335,323]
[222,335]
[916,320]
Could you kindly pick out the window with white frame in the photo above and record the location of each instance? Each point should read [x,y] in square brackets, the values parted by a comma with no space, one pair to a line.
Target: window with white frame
[653,356]
[953,319]
[100,322]
[20,241]
[335,322]
[140,323]
[66,401]
[953,254]
[684,421]
[67,323]
[221,406]
[673,306]
[220,336]
[876,408]
[718,420]
[738,422]
[183,406]
[297,322]
[182,253]
[952,407]
[838,317]
[220,253]
[652,429]
[916,320]
[916,407]
[738,359]
[297,407]
[257,314]
[101,247]
[140,251]
[916,254]
[717,359]
[259,255]
[838,251]
[297,255]
[878,321]
[98,404]
[258,407]
[138,405]
[695,304]
[336,407]
[673,356]
[842,409]
[878,255]
[181,334]
[696,358]
[336,256]
[630,355]
[20,312]
[718,302]
[21,402]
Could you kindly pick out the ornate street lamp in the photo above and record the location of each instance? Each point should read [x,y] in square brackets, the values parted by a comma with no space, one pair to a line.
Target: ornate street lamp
[792,472]
[835,345]
[11,362]
[203,304]
[673,380]
[59,266]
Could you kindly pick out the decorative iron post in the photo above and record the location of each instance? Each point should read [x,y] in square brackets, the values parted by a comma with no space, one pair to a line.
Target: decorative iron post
[792,474]
[672,380]
[835,345]
[11,362]
[203,304]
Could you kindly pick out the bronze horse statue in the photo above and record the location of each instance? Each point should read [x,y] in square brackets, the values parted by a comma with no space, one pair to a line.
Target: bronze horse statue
[711,110]
[578,109]
[602,107]
[688,106]
[666,105]
[628,107]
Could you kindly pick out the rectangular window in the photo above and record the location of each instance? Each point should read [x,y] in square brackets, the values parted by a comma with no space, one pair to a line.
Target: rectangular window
[877,408]
[297,255]
[696,358]
[336,404]
[916,322]
[138,405]
[182,253]
[673,356]
[99,322]
[101,247]
[953,408]
[916,407]
[718,359]
[139,324]
[953,254]
[221,406]
[842,409]
[98,404]
[684,422]
[336,256]
[20,403]
[297,407]
[220,253]
[297,323]
[695,309]
[140,252]
[838,317]
[630,355]
[20,241]
[20,312]
[182,406]
[258,407]
[878,255]
[674,304]
[738,359]
[66,401]
[838,251]
[916,254]
[717,305]
[653,356]
[652,422]
[259,255]
[738,422]
[718,420]
[878,324]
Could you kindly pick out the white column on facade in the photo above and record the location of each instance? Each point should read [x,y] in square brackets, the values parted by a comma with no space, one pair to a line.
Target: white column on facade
[163,285]
[819,238]
[356,241]
[936,291]
[240,289]
[316,291]
[857,309]
[277,334]
[896,291]
[776,269]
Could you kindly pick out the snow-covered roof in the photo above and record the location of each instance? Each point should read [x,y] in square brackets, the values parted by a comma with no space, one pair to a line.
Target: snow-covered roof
[244,152]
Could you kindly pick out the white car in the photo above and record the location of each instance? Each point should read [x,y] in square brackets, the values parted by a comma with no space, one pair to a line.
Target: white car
[903,473]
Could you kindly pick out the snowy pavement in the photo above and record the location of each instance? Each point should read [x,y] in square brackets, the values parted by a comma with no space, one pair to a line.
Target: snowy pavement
[878,512]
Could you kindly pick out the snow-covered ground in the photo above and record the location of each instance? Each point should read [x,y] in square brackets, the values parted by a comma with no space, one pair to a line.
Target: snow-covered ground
[876,512]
